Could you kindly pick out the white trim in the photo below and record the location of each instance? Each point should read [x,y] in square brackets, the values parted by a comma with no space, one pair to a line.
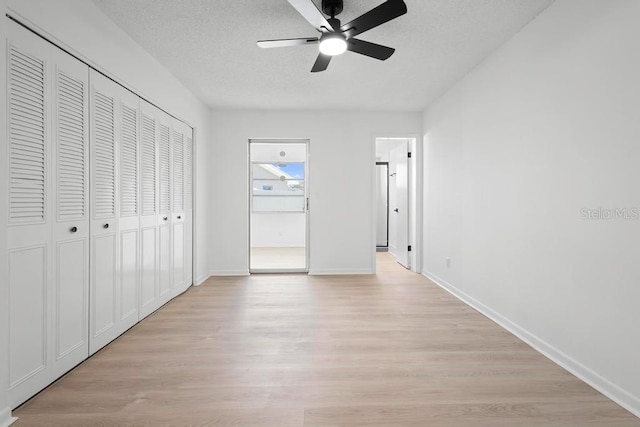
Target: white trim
[278,271]
[229,273]
[374,206]
[308,201]
[392,250]
[6,419]
[339,272]
[200,280]
[415,187]
[418,180]
[604,386]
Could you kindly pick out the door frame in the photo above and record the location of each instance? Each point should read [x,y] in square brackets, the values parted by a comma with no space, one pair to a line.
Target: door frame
[307,187]
[415,174]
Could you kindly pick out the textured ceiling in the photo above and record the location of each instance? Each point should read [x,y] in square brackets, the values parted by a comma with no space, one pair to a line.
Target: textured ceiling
[210,45]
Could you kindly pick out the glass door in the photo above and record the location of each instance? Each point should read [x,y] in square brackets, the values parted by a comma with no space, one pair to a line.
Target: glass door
[279,202]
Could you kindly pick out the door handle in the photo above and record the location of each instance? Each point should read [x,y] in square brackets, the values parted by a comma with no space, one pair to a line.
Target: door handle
[73,229]
[395,210]
[164,218]
[179,217]
[105,226]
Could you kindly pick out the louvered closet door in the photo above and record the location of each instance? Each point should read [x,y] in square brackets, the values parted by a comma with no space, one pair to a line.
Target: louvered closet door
[149,251]
[129,227]
[70,280]
[188,208]
[105,293]
[165,260]
[30,213]
[178,132]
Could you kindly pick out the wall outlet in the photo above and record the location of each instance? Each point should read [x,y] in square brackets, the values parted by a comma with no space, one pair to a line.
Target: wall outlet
[448,262]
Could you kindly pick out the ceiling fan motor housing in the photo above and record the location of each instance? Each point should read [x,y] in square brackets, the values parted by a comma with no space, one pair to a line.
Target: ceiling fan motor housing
[332,7]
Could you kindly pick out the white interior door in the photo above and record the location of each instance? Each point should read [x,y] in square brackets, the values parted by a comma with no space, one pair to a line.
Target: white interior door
[178,132]
[400,210]
[149,251]
[104,218]
[165,260]
[30,214]
[70,309]
[129,211]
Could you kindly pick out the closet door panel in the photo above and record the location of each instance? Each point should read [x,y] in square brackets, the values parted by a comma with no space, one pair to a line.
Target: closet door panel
[178,255]
[177,218]
[28,344]
[165,272]
[149,140]
[29,212]
[149,254]
[129,209]
[165,215]
[104,224]
[71,230]
[70,309]
[129,276]
[103,313]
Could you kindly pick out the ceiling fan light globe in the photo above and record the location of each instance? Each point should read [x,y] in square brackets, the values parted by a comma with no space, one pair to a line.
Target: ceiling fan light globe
[333,46]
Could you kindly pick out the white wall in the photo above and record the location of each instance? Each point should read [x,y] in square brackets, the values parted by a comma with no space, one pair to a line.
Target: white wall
[342,151]
[81,28]
[384,147]
[545,127]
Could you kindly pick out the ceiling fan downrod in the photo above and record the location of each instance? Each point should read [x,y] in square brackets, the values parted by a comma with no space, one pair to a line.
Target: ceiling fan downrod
[332,8]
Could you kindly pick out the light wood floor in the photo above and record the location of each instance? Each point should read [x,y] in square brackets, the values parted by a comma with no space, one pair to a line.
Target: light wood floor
[294,350]
[278,258]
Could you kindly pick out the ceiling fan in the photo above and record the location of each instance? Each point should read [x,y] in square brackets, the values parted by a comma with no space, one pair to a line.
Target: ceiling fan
[335,38]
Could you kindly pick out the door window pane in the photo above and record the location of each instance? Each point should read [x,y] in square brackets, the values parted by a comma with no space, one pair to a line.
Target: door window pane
[278,187]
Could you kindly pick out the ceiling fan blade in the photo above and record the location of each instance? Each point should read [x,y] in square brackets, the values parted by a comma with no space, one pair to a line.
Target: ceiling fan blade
[373,50]
[265,44]
[321,63]
[387,11]
[310,12]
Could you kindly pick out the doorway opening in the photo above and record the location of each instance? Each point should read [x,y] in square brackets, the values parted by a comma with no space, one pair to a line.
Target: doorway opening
[279,201]
[395,199]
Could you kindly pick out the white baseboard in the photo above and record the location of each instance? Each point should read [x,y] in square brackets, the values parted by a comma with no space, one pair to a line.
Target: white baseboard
[229,273]
[312,272]
[392,250]
[200,280]
[604,386]
[338,272]
[6,419]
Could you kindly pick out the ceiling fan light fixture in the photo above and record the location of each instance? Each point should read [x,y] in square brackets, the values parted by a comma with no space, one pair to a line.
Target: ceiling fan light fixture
[333,44]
